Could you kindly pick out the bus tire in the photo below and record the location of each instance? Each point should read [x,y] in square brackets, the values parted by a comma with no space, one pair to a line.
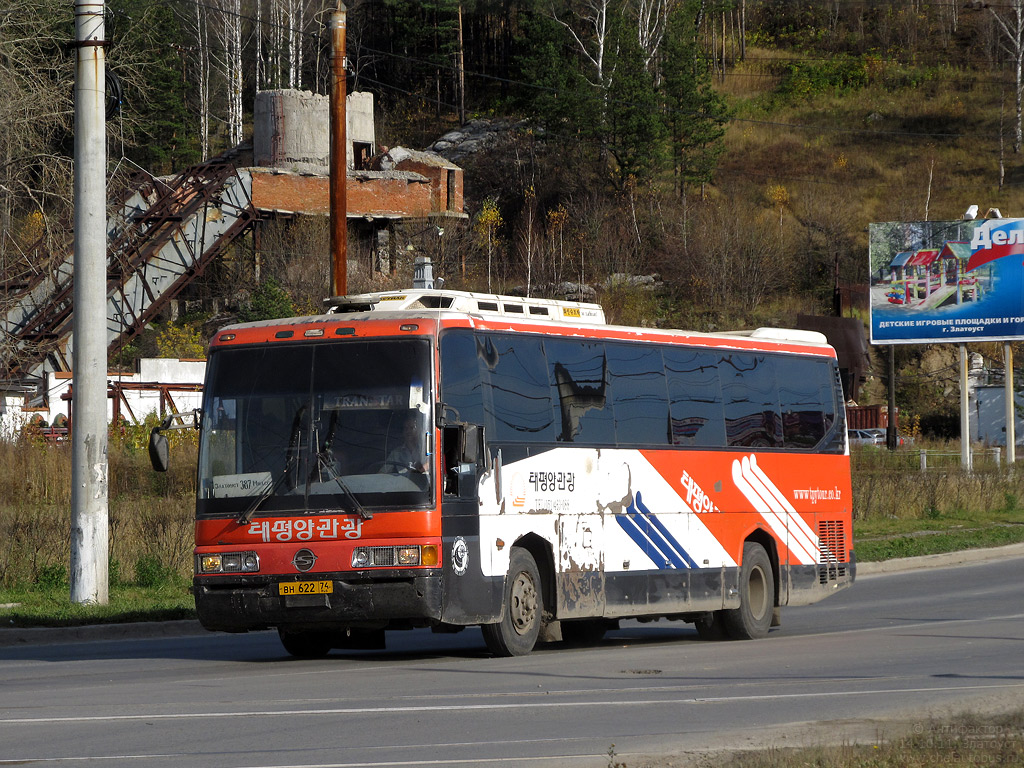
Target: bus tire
[584,632]
[711,626]
[753,618]
[306,645]
[516,633]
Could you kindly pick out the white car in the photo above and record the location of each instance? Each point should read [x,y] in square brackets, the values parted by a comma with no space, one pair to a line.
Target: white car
[867,437]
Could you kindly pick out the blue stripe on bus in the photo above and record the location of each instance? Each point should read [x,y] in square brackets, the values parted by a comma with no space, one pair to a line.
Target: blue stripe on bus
[629,525]
[651,535]
[671,540]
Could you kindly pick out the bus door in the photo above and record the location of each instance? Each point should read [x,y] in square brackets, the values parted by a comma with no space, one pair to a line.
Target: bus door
[470,596]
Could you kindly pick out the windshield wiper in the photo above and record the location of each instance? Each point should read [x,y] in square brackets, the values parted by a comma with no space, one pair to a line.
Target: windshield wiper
[291,459]
[246,517]
[325,461]
[328,464]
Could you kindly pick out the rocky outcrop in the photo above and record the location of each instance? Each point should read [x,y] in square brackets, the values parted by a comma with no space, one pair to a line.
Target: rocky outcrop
[475,136]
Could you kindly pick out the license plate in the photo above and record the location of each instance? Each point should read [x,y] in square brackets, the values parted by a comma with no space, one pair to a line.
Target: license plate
[306,588]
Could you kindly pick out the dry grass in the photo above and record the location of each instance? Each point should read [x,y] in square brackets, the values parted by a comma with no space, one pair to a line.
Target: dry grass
[879,144]
[901,511]
[150,514]
[892,486]
[964,740]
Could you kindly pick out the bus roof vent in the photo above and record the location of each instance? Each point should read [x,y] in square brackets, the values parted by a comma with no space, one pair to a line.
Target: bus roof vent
[340,304]
[789,334]
[485,304]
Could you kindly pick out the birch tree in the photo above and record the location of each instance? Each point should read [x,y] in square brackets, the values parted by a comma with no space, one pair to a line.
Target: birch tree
[590,33]
[201,67]
[651,23]
[229,59]
[1011,24]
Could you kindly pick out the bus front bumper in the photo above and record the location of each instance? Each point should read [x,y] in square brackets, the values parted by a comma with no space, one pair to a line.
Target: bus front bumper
[244,603]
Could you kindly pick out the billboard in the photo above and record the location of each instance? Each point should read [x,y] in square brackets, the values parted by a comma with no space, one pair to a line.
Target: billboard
[939,281]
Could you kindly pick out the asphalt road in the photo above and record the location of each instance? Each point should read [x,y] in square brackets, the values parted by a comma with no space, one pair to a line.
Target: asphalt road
[899,645]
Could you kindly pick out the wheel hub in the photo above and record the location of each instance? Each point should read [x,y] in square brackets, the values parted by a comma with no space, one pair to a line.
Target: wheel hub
[523,608]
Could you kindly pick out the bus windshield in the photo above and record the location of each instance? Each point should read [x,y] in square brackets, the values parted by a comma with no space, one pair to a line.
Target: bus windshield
[328,427]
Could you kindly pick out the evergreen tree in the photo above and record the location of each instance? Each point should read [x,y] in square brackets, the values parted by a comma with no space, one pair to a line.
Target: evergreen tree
[696,114]
[568,107]
[269,302]
[635,124]
[153,78]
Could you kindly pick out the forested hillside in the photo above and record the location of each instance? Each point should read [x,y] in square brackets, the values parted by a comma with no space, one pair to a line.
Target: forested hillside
[737,149]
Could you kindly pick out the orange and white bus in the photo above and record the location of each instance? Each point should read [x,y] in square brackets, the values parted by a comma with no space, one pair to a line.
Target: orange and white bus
[431,458]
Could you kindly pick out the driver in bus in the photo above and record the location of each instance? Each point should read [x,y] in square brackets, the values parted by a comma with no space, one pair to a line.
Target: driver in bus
[409,455]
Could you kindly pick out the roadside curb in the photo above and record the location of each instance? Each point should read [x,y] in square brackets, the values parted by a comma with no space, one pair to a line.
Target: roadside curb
[944,560]
[11,637]
[30,636]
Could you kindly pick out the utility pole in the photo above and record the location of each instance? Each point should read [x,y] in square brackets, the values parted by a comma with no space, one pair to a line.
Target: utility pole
[89,495]
[339,160]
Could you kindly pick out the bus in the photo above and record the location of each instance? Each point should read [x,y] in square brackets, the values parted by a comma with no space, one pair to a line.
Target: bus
[444,459]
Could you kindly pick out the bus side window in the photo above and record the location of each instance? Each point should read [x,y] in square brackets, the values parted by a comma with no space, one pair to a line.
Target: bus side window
[579,382]
[695,397]
[751,397]
[805,395]
[639,394]
[461,381]
[520,396]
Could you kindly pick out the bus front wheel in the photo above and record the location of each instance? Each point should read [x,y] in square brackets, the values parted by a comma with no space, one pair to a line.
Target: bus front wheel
[516,633]
[757,596]
[306,645]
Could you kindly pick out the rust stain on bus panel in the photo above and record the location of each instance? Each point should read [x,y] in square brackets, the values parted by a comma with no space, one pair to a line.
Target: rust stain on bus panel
[580,566]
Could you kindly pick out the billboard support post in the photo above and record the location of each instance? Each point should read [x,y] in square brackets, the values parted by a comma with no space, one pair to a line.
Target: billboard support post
[965,414]
[890,431]
[1011,402]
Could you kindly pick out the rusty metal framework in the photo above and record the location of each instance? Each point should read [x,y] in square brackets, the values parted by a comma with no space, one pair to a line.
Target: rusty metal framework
[117,392]
[166,235]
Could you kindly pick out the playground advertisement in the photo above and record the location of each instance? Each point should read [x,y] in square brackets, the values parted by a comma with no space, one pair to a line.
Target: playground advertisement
[939,281]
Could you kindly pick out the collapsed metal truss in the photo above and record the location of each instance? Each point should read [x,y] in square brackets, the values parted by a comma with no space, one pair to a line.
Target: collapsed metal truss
[166,235]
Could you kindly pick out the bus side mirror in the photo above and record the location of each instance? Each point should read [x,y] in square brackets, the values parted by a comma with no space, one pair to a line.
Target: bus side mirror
[159,450]
[159,453]
[473,449]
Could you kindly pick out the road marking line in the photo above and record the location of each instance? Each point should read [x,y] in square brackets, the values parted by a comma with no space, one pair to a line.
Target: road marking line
[486,707]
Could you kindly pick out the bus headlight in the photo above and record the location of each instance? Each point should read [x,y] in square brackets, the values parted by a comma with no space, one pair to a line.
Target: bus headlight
[228,562]
[408,555]
[403,555]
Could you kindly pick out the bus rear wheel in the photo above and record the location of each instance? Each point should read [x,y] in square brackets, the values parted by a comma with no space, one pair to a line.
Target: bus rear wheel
[753,618]
[306,645]
[516,633]
[584,632]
